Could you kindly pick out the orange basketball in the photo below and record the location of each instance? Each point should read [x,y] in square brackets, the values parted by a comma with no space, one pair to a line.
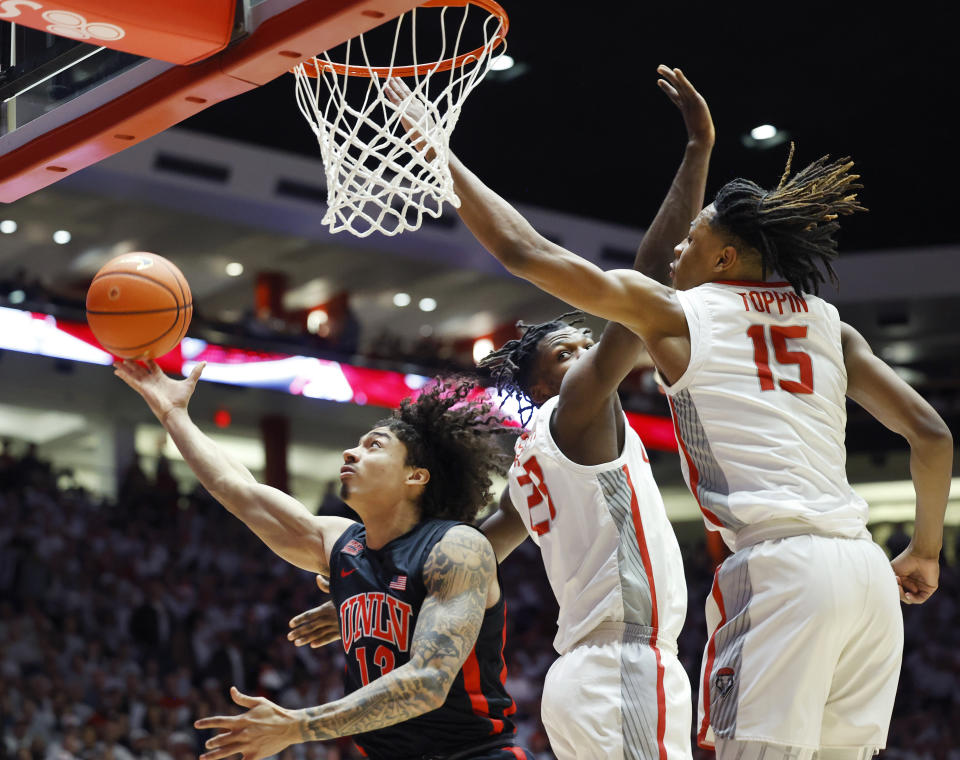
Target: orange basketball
[139,306]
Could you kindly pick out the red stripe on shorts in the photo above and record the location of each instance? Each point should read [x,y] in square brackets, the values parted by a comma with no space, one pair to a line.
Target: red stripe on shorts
[654,615]
[708,668]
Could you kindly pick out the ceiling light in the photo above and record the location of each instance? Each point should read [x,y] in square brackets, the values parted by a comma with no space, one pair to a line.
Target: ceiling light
[427,304]
[763,132]
[17,296]
[8,226]
[481,347]
[425,331]
[401,299]
[502,62]
[234,269]
[62,237]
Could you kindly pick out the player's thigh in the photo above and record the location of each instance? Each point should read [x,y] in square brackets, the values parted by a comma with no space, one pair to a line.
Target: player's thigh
[845,753]
[737,750]
[857,712]
[618,700]
[732,749]
[581,703]
[771,667]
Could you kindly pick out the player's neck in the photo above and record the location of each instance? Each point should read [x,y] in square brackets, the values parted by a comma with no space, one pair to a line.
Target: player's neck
[384,523]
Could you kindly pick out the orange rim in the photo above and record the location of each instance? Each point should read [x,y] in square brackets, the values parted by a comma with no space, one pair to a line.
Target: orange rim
[314,67]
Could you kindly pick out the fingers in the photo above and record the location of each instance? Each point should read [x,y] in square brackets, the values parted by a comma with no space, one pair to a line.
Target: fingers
[196,372]
[323,583]
[225,739]
[396,90]
[670,91]
[318,632]
[228,722]
[235,748]
[242,699]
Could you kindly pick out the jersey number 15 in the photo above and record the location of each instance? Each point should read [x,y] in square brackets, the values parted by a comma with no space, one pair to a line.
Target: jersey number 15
[778,337]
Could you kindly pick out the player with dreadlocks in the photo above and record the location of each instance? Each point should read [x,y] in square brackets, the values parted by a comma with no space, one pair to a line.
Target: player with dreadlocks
[582,488]
[806,634]
[416,589]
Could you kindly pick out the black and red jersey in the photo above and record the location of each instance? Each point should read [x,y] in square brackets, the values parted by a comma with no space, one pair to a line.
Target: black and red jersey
[378,595]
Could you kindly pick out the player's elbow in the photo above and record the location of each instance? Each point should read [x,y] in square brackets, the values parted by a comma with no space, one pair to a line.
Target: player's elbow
[929,432]
[436,684]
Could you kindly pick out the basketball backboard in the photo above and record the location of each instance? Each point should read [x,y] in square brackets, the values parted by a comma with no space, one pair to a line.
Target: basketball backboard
[66,104]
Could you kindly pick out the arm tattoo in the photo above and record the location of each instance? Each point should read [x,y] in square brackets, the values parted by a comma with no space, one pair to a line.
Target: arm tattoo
[457,575]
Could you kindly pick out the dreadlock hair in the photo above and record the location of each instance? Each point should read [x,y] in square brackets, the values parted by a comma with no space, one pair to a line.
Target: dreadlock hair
[792,226]
[510,365]
[454,438]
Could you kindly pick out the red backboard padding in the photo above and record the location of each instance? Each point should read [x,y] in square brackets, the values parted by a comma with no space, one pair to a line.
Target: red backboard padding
[176,31]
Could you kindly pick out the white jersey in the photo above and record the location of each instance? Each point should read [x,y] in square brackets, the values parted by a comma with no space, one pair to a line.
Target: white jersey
[760,414]
[609,551]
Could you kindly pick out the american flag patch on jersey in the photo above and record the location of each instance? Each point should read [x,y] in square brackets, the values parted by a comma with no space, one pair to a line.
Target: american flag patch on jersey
[352,547]
[399,583]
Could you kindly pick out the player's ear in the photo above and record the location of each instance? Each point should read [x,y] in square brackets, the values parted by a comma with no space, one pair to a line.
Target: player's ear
[726,259]
[419,476]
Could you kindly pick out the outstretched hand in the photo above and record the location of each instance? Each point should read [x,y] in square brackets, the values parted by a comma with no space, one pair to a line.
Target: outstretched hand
[163,394]
[917,577]
[265,729]
[413,113]
[317,627]
[696,113]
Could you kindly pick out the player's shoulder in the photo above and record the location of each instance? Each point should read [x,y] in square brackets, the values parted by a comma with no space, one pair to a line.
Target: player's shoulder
[460,546]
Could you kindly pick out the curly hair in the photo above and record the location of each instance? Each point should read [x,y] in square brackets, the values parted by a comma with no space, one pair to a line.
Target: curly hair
[453,437]
[511,364]
[793,226]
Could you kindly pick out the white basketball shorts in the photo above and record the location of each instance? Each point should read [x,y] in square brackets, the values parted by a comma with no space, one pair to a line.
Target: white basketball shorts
[618,695]
[805,641]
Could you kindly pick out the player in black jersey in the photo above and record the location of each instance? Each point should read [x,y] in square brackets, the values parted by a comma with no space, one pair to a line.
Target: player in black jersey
[419,599]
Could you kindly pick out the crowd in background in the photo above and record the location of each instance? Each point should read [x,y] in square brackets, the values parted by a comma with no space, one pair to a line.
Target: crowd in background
[123,622]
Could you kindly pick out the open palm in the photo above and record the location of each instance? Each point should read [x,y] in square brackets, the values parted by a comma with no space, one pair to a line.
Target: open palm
[163,394]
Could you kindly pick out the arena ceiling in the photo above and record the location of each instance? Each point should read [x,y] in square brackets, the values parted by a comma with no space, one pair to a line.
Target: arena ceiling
[579,129]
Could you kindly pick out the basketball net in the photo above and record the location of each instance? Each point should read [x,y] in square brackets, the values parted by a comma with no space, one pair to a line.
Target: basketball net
[377,178]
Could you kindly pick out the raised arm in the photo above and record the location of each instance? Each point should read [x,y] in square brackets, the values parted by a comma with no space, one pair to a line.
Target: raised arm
[459,574]
[281,522]
[879,390]
[597,375]
[625,296]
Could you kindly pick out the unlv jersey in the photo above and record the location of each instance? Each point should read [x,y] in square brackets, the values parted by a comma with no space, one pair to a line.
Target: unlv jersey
[378,594]
[609,551]
[760,413]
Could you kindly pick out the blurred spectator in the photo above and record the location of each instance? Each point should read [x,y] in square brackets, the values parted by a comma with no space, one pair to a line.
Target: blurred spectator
[116,633]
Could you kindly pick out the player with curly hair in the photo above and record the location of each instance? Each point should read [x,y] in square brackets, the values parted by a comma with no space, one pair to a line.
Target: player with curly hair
[420,605]
[582,489]
[806,634]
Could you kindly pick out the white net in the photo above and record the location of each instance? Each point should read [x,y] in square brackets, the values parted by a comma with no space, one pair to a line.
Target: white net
[376,178]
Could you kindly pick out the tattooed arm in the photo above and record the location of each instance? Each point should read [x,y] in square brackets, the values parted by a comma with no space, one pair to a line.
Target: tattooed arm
[460,575]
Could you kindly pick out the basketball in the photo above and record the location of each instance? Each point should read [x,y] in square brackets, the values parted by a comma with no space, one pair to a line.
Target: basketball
[139,306]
